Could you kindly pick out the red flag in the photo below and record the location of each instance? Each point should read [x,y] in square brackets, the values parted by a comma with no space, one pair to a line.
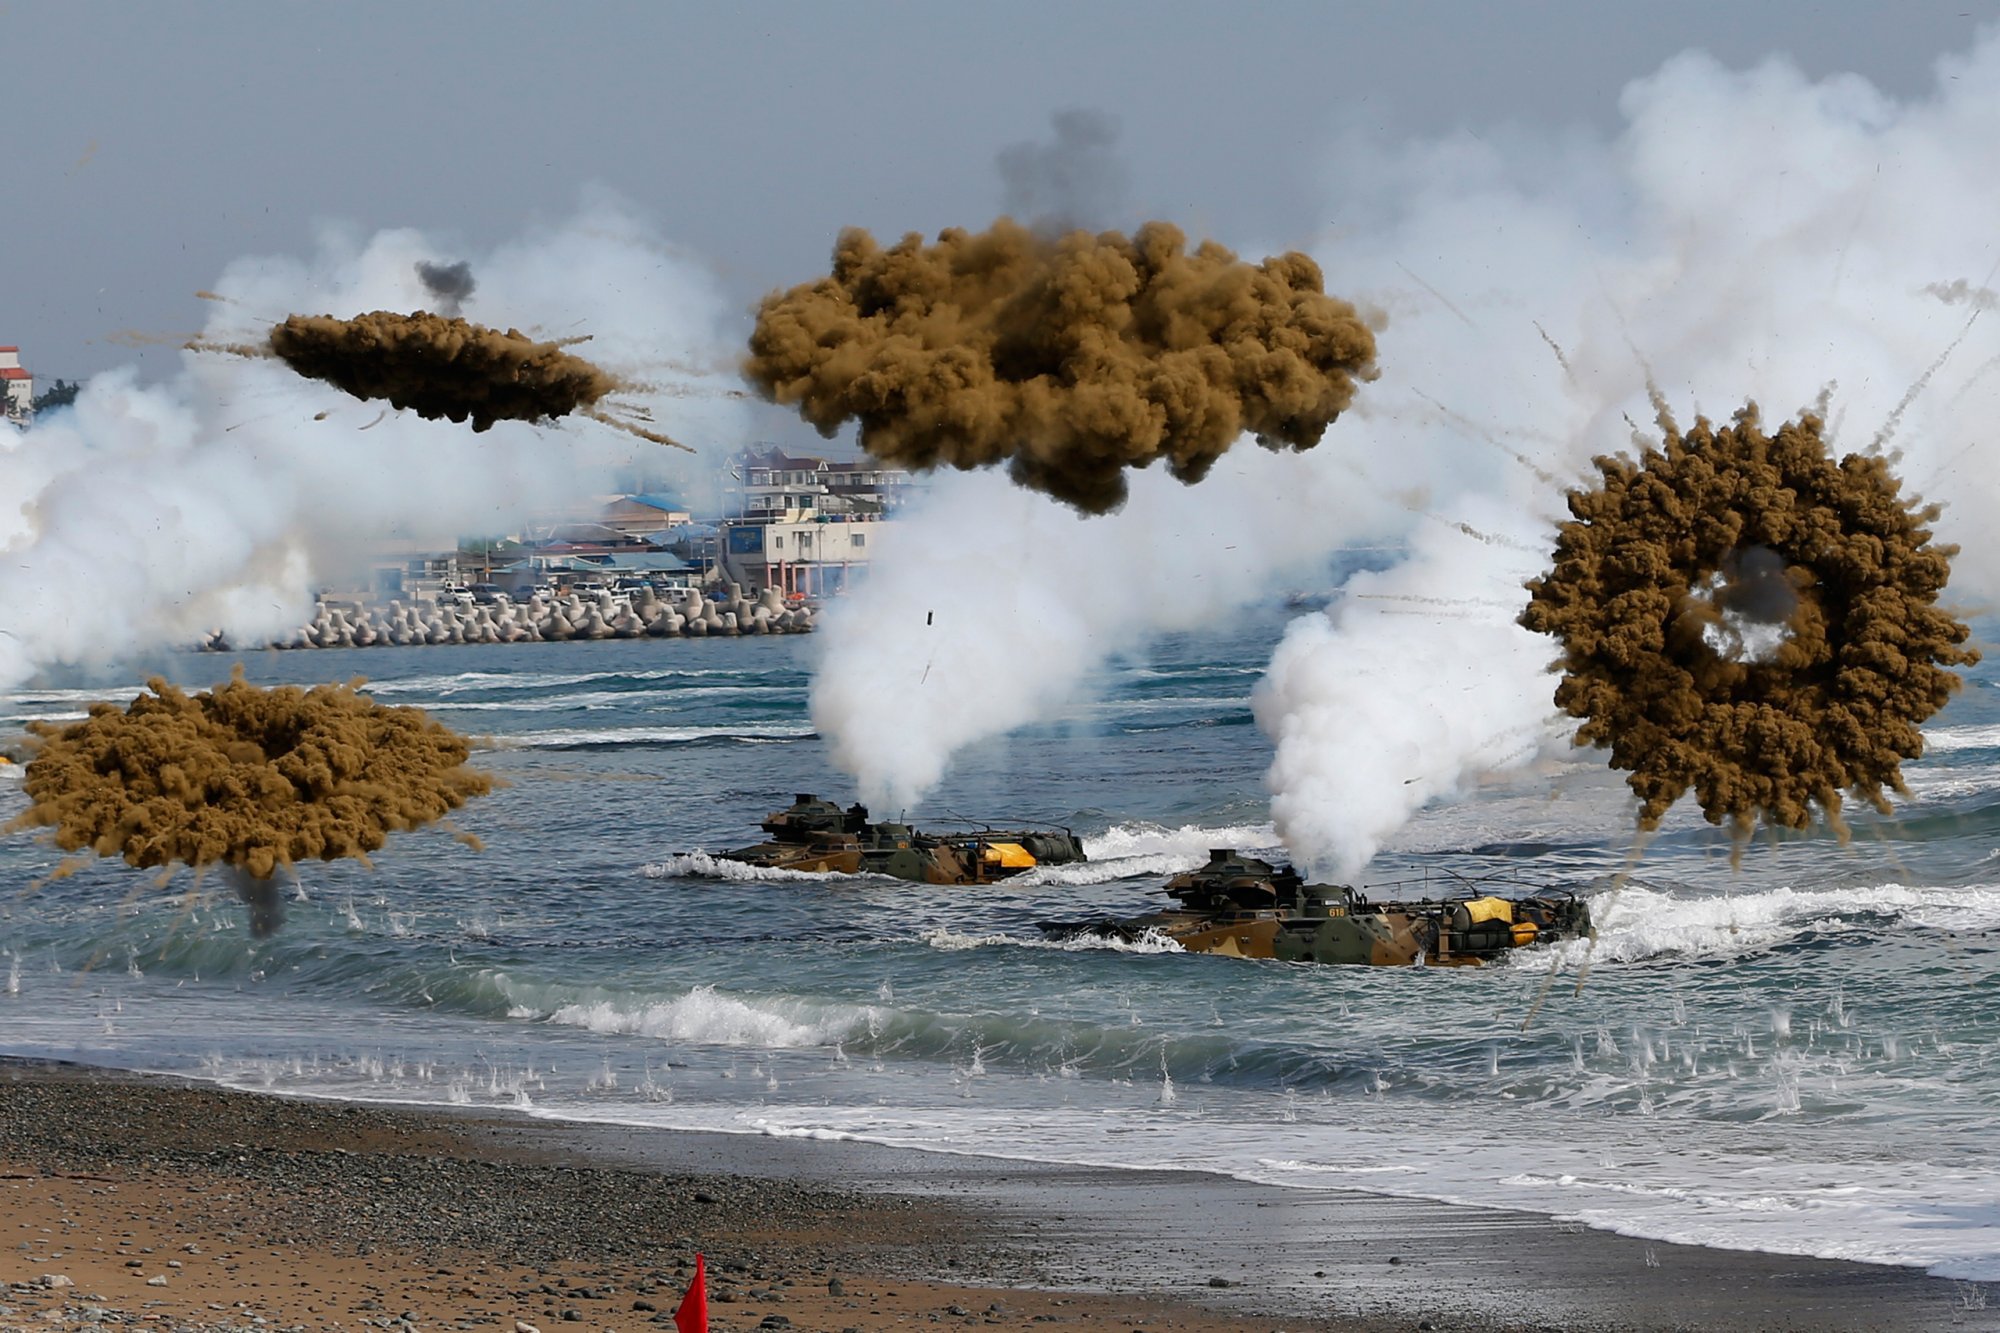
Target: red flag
[692,1316]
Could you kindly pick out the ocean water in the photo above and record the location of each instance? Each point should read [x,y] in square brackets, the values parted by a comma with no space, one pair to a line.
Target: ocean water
[1796,1057]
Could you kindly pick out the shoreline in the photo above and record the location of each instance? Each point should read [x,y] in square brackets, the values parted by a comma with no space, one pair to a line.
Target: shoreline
[570,1204]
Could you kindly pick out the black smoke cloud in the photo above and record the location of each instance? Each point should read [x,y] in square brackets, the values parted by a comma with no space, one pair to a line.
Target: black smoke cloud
[448,284]
[1077,180]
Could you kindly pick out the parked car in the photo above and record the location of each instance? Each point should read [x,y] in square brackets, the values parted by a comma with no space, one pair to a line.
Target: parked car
[488,594]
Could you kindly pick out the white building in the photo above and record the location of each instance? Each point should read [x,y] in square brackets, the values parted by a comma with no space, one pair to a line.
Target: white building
[17,388]
[813,557]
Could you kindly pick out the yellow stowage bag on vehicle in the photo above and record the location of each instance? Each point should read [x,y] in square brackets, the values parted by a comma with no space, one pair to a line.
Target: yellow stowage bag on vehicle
[1489,909]
[1012,855]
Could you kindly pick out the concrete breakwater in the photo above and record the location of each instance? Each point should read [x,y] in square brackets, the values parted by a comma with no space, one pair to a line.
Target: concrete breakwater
[539,619]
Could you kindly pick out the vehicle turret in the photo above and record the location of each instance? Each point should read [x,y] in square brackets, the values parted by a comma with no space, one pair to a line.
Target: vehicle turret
[806,818]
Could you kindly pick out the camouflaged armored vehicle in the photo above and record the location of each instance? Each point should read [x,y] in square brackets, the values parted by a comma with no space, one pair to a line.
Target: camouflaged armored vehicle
[1246,908]
[812,834]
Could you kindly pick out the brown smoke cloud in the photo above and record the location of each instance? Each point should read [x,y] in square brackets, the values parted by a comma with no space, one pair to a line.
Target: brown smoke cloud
[1742,615]
[441,367]
[1071,358]
[247,777]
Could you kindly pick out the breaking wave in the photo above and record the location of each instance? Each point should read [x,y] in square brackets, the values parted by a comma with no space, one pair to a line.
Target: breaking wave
[605,738]
[1638,923]
[1943,784]
[443,687]
[704,865]
[707,1017]
[1120,852]
[1153,849]
[591,700]
[951,941]
[1945,740]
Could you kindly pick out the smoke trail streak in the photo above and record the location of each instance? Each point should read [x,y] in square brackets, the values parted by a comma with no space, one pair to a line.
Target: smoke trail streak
[1556,348]
[1442,299]
[1417,600]
[1895,417]
[1541,473]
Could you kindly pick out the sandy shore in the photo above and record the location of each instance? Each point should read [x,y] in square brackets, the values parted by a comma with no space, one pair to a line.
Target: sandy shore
[188,1207]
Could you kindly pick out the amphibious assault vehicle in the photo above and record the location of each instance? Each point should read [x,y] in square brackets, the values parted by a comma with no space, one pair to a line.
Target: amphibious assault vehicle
[1246,908]
[812,834]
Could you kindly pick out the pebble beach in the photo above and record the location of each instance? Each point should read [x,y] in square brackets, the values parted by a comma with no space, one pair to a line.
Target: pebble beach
[133,1200]
[151,1201]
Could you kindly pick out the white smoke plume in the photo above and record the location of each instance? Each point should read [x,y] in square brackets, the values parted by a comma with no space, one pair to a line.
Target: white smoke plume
[150,514]
[1406,689]
[988,606]
[1750,234]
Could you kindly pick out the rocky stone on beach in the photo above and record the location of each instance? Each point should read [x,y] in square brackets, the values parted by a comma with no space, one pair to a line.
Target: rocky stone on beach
[541,618]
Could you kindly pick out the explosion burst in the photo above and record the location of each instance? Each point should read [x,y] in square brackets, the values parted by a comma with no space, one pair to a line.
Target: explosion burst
[441,367]
[1070,358]
[1742,615]
[245,777]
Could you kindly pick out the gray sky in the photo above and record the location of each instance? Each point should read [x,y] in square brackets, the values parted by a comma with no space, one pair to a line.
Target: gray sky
[150,144]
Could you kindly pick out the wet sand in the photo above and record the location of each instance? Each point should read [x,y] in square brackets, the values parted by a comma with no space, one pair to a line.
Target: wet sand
[191,1208]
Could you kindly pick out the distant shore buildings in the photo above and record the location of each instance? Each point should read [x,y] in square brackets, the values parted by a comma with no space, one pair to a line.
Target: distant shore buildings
[802,525]
[17,388]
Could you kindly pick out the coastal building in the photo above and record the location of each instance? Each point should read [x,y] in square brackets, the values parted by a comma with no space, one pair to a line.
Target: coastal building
[629,517]
[811,533]
[804,524]
[868,487]
[771,483]
[646,514]
[800,554]
[17,388]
